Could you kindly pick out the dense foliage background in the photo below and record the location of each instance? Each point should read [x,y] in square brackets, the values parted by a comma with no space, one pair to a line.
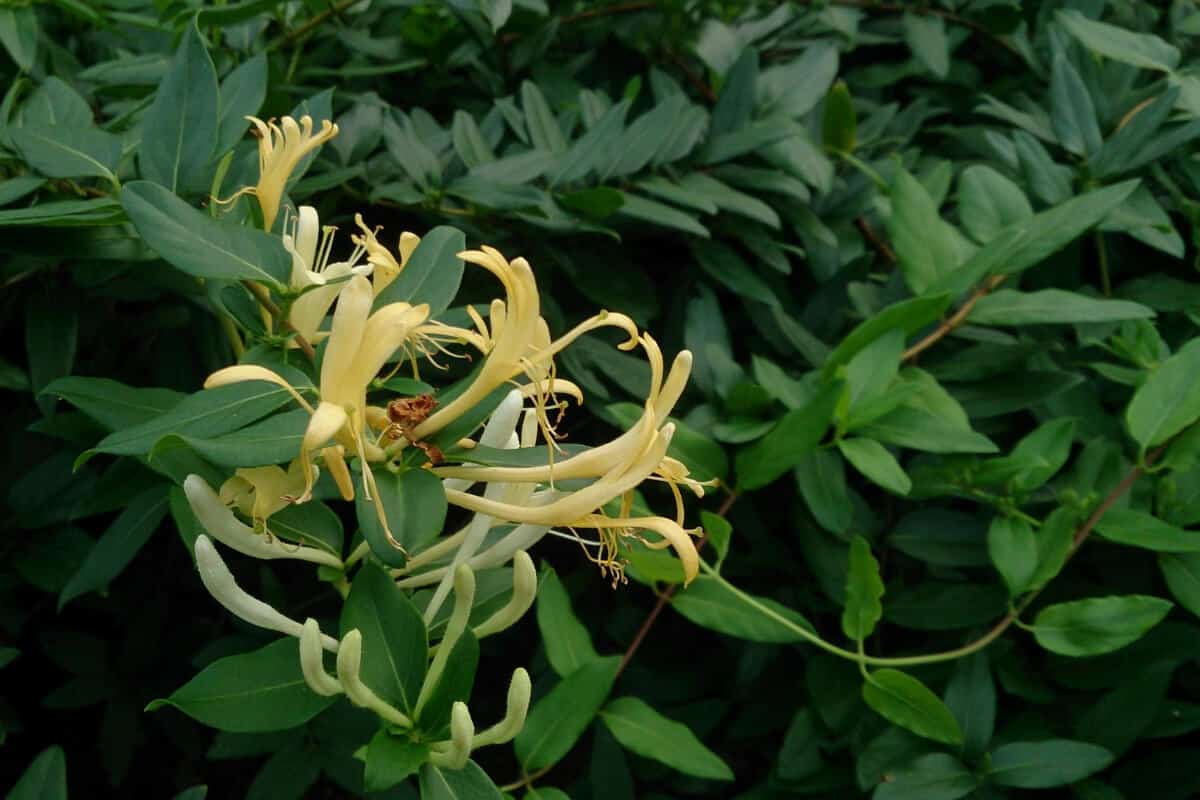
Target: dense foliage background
[936,263]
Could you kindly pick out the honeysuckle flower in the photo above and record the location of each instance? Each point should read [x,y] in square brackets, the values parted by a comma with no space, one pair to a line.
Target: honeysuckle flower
[281,146]
[221,584]
[454,754]
[520,690]
[310,246]
[219,521]
[386,266]
[312,663]
[523,594]
[518,341]
[258,492]
[359,344]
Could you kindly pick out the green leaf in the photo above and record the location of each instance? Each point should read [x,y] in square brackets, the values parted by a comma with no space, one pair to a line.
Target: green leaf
[926,37]
[821,477]
[935,776]
[199,245]
[595,203]
[114,405]
[798,432]
[468,783]
[180,127]
[241,95]
[62,152]
[646,135]
[557,720]
[725,266]
[1139,529]
[414,503]
[870,374]
[1024,244]
[907,315]
[1071,110]
[726,198]
[1052,307]
[864,588]
[660,214]
[1054,542]
[395,646]
[838,122]
[642,730]
[211,412]
[1169,399]
[1182,575]
[390,759]
[19,35]
[1034,460]
[432,273]
[250,693]
[453,686]
[271,441]
[312,523]
[1098,624]
[51,340]
[1138,49]
[988,202]
[924,429]
[719,533]
[715,605]
[927,247]
[64,213]
[735,105]
[46,776]
[118,545]
[1013,548]
[544,130]
[875,462]
[905,701]
[1045,764]
[1121,150]
[971,697]
[568,643]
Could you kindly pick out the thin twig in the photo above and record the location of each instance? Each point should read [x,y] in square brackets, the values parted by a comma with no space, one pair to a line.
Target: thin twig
[954,320]
[874,239]
[665,597]
[264,299]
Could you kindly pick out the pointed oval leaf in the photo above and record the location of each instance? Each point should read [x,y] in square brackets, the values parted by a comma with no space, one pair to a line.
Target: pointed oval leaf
[905,701]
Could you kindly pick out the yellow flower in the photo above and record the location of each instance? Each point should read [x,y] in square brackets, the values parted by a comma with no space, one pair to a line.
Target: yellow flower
[281,146]
[359,344]
[258,492]
[310,246]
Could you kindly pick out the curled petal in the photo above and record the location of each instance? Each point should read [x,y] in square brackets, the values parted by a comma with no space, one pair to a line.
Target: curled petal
[312,664]
[223,526]
[223,587]
[520,689]
[253,372]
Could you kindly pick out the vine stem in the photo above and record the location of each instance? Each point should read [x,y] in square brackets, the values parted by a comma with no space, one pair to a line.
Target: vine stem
[954,320]
[1012,618]
[264,299]
[304,29]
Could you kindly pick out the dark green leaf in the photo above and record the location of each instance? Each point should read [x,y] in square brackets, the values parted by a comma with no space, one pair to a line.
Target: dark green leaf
[642,730]
[394,643]
[936,776]
[1097,625]
[557,721]
[796,433]
[390,759]
[905,701]
[1169,400]
[568,643]
[414,504]
[715,605]
[1139,529]
[469,783]
[1045,764]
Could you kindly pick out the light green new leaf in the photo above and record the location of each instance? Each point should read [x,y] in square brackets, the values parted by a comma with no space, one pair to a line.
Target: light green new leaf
[1045,764]
[568,643]
[1139,529]
[864,588]
[557,721]
[1169,399]
[194,242]
[250,693]
[1052,307]
[1013,549]
[642,730]
[988,202]
[1098,624]
[927,247]
[905,701]
[1139,49]
[876,464]
[390,759]
[179,129]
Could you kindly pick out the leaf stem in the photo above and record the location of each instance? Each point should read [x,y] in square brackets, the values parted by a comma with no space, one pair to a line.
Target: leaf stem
[954,320]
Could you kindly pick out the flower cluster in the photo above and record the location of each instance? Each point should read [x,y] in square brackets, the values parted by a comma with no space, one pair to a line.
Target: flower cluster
[583,494]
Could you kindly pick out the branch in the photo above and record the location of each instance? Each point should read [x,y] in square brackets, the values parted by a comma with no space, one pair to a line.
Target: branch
[304,29]
[874,239]
[264,299]
[954,320]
